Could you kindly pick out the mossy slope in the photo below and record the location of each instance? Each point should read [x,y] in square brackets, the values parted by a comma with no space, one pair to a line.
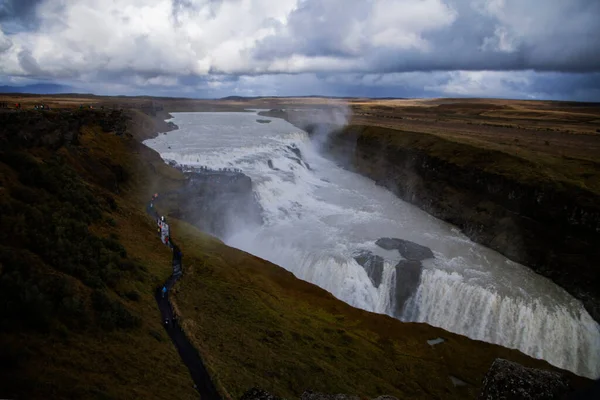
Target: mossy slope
[78,265]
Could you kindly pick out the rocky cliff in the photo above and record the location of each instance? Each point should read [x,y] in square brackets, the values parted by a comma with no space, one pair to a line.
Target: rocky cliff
[216,202]
[552,227]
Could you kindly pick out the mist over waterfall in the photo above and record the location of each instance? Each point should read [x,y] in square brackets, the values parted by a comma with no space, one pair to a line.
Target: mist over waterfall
[317,217]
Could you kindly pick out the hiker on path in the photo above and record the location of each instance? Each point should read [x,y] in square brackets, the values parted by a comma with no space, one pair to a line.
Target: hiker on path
[161,221]
[164,291]
[164,231]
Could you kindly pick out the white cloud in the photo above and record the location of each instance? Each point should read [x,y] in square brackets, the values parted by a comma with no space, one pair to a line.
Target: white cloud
[400,24]
[157,43]
[513,84]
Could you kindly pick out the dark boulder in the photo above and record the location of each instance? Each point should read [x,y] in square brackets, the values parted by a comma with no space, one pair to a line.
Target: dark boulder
[408,276]
[507,380]
[409,250]
[372,263]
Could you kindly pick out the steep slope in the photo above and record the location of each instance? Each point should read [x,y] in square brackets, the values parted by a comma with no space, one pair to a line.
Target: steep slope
[79,264]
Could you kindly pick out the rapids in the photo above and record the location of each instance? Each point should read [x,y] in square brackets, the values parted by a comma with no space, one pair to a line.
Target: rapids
[318,215]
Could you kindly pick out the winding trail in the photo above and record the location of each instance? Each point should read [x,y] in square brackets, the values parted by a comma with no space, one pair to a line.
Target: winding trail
[190,356]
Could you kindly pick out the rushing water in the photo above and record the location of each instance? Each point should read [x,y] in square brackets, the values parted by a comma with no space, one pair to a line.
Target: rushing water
[317,216]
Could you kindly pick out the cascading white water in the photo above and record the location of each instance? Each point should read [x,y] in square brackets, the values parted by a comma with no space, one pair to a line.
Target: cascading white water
[318,215]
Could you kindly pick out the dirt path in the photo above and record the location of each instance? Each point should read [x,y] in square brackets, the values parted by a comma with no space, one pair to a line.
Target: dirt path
[189,355]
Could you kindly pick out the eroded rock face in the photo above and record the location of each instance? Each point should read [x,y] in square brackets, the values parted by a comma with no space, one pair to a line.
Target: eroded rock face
[408,276]
[515,219]
[373,264]
[509,380]
[409,250]
[218,202]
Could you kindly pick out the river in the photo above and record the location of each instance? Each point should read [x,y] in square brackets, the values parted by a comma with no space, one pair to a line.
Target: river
[318,215]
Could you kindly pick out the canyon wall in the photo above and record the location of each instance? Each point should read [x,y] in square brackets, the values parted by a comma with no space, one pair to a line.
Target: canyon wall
[549,226]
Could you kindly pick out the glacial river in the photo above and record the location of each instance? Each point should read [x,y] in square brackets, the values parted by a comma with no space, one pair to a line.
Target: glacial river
[318,215]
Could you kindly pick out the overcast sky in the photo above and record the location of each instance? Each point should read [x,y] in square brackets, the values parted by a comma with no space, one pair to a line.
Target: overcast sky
[378,48]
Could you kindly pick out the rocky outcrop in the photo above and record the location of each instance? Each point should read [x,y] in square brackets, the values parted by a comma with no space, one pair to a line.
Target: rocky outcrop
[551,228]
[509,380]
[373,264]
[408,276]
[408,272]
[409,250]
[218,202]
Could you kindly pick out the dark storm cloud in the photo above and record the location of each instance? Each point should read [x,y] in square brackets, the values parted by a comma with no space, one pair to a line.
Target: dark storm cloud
[19,13]
[582,87]
[380,48]
[10,9]
[484,35]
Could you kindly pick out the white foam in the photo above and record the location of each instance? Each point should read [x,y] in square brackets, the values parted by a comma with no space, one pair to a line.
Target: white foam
[316,219]
[557,333]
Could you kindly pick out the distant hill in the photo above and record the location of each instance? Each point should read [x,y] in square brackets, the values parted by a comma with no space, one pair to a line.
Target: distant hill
[39,88]
[243,98]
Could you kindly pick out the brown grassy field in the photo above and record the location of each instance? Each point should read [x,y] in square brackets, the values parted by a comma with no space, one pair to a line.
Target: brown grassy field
[553,128]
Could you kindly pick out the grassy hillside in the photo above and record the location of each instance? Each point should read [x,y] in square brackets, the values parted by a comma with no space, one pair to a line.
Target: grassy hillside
[78,265]
[79,261]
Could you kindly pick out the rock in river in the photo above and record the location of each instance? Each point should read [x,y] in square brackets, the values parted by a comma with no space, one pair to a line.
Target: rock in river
[408,276]
[372,263]
[409,250]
